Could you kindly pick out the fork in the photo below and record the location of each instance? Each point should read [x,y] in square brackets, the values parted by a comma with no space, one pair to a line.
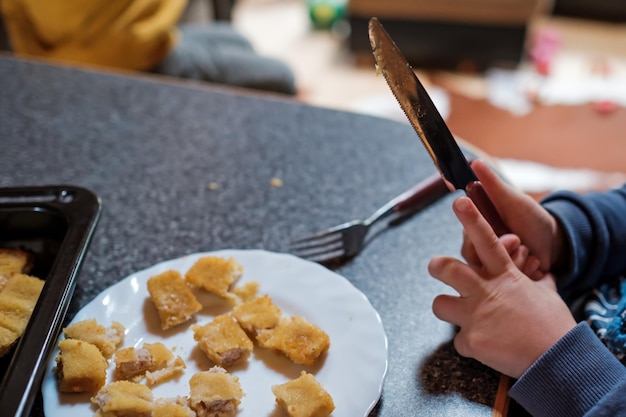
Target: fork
[348,239]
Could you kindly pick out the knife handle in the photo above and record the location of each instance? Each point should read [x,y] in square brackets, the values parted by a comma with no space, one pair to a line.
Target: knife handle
[477,194]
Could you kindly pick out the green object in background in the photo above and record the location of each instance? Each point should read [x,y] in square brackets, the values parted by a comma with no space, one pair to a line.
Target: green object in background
[325,13]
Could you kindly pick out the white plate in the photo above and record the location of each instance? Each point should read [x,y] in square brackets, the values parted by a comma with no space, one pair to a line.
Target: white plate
[352,371]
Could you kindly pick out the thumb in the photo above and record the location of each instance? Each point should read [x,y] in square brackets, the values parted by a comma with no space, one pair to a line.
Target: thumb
[499,192]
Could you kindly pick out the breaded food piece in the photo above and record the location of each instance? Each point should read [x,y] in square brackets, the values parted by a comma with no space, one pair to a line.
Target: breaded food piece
[304,397]
[17,301]
[174,407]
[7,339]
[215,393]
[223,340]
[299,340]
[247,291]
[173,298]
[130,362]
[257,314]
[123,399]
[153,360]
[215,275]
[15,261]
[108,339]
[173,367]
[14,314]
[80,366]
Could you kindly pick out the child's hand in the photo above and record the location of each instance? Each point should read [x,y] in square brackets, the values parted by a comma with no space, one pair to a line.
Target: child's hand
[520,255]
[525,217]
[506,320]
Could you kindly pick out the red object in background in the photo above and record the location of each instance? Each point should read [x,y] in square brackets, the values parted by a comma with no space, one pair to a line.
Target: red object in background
[545,44]
[602,67]
[605,106]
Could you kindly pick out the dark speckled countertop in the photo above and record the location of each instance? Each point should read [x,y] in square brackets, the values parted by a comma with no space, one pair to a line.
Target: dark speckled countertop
[150,148]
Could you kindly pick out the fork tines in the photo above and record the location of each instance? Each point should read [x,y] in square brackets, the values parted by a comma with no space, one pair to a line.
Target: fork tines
[320,247]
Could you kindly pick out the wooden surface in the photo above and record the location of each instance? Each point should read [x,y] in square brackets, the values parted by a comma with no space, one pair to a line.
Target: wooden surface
[557,135]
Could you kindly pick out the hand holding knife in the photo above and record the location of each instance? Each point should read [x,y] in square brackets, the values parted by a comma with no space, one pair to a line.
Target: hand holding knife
[439,142]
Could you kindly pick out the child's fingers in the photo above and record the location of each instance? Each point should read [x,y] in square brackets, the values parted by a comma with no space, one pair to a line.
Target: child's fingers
[519,256]
[530,267]
[491,252]
[453,273]
[511,243]
[468,252]
[449,308]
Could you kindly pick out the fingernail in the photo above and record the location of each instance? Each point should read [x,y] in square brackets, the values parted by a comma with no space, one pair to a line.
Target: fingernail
[463,204]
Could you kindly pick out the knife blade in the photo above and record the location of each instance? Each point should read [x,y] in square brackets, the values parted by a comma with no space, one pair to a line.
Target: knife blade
[428,123]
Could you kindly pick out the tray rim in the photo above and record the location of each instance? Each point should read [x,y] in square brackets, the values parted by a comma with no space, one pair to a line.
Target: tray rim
[81,208]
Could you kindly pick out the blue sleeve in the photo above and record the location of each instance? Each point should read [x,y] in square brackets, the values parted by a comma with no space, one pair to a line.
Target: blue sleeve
[577,376]
[595,227]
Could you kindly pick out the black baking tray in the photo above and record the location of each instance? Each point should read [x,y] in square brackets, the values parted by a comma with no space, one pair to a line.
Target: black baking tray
[55,223]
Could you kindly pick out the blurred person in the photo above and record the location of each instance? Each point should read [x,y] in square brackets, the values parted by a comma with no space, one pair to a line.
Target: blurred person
[141,35]
[515,295]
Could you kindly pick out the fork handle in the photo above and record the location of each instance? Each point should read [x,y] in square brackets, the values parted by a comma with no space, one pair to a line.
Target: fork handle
[424,193]
[419,196]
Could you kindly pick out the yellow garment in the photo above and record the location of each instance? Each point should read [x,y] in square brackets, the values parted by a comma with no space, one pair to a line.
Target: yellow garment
[129,34]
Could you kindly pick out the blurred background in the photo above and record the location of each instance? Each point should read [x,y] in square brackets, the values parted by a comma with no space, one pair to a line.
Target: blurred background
[539,85]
